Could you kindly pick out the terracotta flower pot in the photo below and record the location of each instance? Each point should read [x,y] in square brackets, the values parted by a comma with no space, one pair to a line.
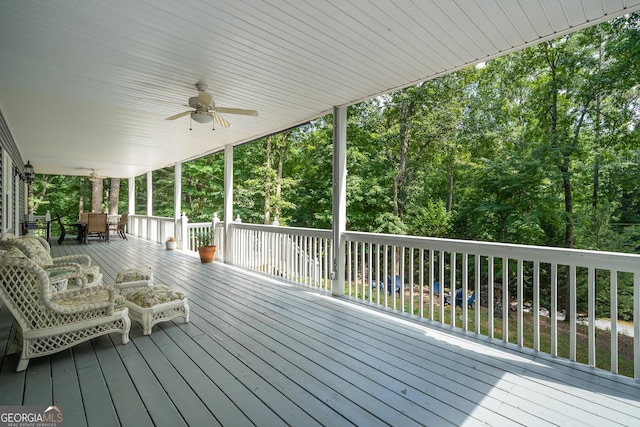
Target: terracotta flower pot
[207,253]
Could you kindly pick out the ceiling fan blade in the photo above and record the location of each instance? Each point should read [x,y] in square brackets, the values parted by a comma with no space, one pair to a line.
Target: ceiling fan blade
[177,116]
[220,120]
[253,113]
[204,98]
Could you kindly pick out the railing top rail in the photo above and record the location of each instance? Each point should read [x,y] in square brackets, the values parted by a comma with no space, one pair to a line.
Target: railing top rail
[552,255]
[151,217]
[296,231]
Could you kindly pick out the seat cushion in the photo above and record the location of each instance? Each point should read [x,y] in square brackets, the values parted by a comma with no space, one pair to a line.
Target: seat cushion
[154,295]
[70,299]
[92,272]
[134,275]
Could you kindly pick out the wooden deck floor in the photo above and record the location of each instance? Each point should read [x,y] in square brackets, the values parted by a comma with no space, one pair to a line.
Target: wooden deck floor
[268,353]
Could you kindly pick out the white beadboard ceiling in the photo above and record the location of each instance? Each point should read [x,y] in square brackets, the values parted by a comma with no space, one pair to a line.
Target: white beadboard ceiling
[87,84]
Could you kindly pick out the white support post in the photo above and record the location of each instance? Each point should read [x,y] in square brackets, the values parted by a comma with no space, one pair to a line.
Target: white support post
[149,203]
[228,203]
[339,199]
[132,195]
[184,233]
[16,206]
[149,194]
[215,220]
[177,197]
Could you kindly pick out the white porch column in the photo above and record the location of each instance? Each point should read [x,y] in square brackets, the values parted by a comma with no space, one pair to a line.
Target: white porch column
[149,204]
[339,199]
[132,195]
[182,222]
[16,206]
[228,201]
[149,193]
[177,197]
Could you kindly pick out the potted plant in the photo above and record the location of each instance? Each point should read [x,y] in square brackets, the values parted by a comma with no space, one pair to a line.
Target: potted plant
[171,243]
[206,248]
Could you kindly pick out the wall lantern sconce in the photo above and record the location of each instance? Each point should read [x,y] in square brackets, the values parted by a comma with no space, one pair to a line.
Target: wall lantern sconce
[29,173]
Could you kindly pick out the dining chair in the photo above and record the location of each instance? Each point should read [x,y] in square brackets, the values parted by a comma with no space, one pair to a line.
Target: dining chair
[97,226]
[122,224]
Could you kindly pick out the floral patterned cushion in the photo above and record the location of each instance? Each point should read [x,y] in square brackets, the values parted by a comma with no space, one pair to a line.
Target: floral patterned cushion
[133,275]
[153,295]
[92,272]
[14,252]
[73,299]
[39,253]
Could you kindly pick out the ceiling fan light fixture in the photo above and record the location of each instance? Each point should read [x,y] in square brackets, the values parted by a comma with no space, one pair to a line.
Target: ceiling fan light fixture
[201,117]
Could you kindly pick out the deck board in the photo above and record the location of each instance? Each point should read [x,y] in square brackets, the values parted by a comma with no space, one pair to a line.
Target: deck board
[259,351]
[126,401]
[96,398]
[66,388]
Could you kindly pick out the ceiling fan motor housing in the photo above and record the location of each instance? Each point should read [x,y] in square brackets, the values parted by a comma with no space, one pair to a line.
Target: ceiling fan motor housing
[201,117]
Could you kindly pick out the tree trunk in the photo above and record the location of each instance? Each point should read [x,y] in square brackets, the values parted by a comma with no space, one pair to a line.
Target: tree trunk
[563,167]
[96,195]
[568,201]
[41,196]
[114,196]
[596,163]
[267,182]
[285,139]
[398,180]
[450,189]
[596,180]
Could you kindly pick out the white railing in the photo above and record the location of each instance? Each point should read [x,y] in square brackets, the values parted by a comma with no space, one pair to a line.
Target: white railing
[154,228]
[476,286]
[302,255]
[194,228]
[158,229]
[219,239]
[497,273]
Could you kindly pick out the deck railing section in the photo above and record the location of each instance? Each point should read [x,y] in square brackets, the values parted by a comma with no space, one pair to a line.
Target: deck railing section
[194,228]
[153,228]
[158,229]
[412,274]
[219,239]
[302,255]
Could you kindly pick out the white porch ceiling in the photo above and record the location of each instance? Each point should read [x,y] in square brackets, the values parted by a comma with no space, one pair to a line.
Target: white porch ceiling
[87,84]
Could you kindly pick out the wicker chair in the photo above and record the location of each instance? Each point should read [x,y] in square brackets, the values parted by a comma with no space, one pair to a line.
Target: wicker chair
[46,322]
[39,250]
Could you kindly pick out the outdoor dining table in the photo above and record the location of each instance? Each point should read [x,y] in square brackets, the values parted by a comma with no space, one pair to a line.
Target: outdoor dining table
[82,231]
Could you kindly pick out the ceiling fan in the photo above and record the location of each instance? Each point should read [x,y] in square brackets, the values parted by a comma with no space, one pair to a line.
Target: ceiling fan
[205,109]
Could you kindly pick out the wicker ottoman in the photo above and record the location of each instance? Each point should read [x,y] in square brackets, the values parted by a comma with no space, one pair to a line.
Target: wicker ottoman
[154,304]
[133,278]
